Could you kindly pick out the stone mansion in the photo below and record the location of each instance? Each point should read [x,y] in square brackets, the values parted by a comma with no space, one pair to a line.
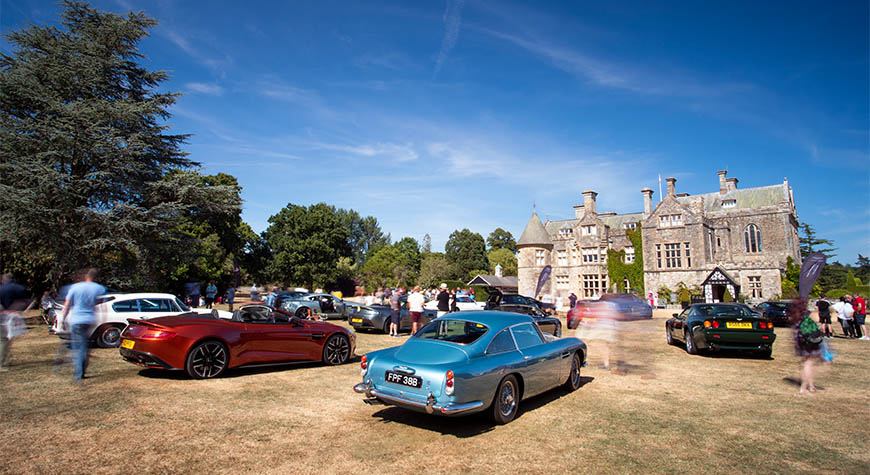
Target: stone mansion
[731,239]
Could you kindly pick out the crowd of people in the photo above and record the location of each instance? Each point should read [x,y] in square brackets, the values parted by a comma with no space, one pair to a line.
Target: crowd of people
[851,312]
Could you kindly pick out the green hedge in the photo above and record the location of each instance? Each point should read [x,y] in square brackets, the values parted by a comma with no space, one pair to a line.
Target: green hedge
[480,293]
[836,293]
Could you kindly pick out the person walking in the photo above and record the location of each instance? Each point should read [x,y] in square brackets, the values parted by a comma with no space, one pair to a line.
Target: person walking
[415,307]
[231,297]
[454,305]
[824,311]
[860,316]
[572,300]
[13,298]
[255,293]
[395,313]
[210,293]
[80,302]
[271,297]
[805,347]
[443,301]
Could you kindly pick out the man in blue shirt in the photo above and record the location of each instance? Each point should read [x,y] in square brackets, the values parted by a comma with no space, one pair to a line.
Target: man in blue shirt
[80,302]
[210,293]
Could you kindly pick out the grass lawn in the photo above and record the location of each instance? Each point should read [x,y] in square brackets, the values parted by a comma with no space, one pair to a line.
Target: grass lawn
[666,412]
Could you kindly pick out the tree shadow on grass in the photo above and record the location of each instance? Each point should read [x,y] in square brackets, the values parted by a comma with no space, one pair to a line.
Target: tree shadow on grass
[244,370]
[471,425]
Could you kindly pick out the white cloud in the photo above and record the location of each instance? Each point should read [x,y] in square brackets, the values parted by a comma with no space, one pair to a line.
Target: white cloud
[452,22]
[202,88]
[393,151]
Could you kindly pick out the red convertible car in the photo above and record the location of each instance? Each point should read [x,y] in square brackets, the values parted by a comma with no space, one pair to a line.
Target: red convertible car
[205,346]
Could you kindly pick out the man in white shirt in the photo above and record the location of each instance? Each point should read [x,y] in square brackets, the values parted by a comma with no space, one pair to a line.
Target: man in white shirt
[415,307]
[844,314]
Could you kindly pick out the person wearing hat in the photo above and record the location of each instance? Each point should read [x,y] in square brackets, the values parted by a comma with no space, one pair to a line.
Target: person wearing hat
[443,301]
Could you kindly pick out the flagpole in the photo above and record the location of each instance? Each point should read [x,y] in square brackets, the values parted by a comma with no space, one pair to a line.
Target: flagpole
[660,187]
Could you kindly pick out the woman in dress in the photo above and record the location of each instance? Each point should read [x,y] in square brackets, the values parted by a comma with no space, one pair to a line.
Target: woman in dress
[807,351]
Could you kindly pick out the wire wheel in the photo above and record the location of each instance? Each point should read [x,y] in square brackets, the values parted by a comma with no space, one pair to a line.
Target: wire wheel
[207,360]
[336,351]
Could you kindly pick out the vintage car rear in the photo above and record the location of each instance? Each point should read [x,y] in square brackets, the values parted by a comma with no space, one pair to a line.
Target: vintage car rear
[432,372]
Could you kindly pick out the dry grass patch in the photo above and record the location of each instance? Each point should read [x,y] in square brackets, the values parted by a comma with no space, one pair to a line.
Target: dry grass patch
[668,412]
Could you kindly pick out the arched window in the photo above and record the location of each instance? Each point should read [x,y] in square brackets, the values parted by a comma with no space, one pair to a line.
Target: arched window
[752,237]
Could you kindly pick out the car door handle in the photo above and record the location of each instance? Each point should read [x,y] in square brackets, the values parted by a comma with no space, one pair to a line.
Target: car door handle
[316,336]
[566,354]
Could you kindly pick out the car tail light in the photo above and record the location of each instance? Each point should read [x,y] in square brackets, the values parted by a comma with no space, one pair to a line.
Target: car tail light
[448,384]
[706,323]
[156,335]
[363,362]
[715,324]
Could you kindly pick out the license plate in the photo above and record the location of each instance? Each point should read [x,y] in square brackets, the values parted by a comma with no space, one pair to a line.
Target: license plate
[128,344]
[403,379]
[740,325]
[356,320]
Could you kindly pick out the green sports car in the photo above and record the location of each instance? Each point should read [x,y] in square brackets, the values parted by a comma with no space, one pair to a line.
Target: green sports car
[721,326]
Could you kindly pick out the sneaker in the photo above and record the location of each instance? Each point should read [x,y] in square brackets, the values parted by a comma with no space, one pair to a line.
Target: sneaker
[865,337]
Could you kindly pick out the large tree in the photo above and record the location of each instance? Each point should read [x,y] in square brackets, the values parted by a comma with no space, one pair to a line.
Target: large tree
[307,244]
[501,239]
[809,243]
[85,153]
[364,234]
[466,251]
[434,269]
[505,258]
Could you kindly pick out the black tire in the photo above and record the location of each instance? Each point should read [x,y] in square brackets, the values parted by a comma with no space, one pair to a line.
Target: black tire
[507,400]
[302,312]
[208,359]
[669,335]
[573,381]
[336,350]
[109,336]
[387,326]
[690,343]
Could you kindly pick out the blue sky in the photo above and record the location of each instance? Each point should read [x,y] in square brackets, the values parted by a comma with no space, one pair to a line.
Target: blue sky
[436,116]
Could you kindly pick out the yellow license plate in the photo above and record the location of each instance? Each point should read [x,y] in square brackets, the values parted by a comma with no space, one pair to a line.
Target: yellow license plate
[356,320]
[128,344]
[743,325]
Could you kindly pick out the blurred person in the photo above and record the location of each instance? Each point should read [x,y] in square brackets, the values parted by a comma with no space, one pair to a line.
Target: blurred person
[454,306]
[860,316]
[443,301]
[572,300]
[231,297]
[844,315]
[415,307]
[806,332]
[601,326]
[824,312]
[395,313]
[210,293]
[255,293]
[193,293]
[80,302]
[272,296]
[559,304]
[13,299]
[45,305]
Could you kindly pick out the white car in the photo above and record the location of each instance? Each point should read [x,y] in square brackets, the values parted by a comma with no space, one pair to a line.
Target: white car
[464,302]
[113,310]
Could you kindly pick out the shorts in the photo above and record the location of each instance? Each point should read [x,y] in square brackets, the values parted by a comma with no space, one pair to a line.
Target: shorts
[415,317]
[825,319]
[859,318]
[394,317]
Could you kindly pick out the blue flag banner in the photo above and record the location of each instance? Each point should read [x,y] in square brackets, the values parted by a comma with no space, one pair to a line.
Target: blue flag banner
[810,270]
[545,274]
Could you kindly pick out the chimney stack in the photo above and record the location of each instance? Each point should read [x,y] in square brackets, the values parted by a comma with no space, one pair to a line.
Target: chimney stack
[672,189]
[723,187]
[589,202]
[647,201]
[731,184]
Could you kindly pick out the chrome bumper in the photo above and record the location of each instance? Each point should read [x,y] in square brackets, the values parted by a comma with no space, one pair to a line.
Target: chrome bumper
[428,405]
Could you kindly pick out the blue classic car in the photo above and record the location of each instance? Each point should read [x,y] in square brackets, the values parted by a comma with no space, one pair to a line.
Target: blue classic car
[469,362]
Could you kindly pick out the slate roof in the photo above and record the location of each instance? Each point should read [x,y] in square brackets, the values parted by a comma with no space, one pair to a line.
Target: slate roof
[746,198]
[510,282]
[535,233]
[614,221]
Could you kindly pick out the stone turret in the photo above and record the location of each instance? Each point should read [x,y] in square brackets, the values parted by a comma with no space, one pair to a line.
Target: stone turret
[534,248]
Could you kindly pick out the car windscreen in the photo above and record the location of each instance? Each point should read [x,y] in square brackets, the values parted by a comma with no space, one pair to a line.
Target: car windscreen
[779,305]
[455,331]
[182,305]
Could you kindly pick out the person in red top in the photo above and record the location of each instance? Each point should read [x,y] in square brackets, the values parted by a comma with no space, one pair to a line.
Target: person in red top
[859,316]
